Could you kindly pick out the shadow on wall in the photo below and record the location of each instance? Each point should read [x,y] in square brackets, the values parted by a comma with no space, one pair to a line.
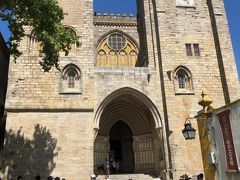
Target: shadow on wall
[28,157]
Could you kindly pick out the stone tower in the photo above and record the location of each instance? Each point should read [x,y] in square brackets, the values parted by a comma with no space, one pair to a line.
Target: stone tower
[124,94]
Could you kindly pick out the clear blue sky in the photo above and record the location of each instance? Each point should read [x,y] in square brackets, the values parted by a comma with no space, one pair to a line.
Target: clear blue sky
[128,6]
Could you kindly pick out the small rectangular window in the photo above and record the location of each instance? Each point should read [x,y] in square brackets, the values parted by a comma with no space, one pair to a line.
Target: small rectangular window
[188,49]
[196,49]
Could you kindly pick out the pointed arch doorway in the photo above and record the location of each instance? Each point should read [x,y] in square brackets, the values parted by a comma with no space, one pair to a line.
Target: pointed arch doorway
[128,128]
[121,148]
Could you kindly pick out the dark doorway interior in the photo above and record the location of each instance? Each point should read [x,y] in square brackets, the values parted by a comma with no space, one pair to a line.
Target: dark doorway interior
[115,149]
[121,154]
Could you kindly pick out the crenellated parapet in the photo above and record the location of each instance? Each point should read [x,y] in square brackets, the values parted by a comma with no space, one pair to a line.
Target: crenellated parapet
[111,19]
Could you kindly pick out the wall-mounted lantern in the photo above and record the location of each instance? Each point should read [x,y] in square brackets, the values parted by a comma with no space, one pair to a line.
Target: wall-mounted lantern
[188,131]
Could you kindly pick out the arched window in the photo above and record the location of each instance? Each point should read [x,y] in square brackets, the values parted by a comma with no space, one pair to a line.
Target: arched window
[71,81]
[112,59]
[73,47]
[72,76]
[183,81]
[123,59]
[101,58]
[34,45]
[120,49]
[132,58]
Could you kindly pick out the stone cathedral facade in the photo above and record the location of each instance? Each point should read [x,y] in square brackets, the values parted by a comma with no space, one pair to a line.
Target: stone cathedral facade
[124,94]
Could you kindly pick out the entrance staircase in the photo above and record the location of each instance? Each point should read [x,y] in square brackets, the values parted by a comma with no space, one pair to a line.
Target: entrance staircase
[127,177]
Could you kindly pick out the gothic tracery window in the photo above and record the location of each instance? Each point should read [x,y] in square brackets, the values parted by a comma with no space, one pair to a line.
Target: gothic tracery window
[112,59]
[73,47]
[101,58]
[116,41]
[123,60]
[34,45]
[132,58]
[182,81]
[116,50]
[71,81]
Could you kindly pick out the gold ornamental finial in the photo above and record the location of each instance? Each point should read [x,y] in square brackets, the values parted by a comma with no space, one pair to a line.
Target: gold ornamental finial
[205,101]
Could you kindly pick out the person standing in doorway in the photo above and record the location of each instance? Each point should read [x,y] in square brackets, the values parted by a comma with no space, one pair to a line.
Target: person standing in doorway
[107,167]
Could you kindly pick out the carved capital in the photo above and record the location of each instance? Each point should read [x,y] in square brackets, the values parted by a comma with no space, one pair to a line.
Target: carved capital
[159,132]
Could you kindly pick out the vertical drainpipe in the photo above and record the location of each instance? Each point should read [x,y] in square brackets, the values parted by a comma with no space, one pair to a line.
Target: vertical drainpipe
[165,110]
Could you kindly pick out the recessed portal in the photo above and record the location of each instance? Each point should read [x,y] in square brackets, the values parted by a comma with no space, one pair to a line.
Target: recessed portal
[126,133]
[121,154]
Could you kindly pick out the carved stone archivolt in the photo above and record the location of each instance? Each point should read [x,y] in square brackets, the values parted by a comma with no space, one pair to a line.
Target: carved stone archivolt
[144,122]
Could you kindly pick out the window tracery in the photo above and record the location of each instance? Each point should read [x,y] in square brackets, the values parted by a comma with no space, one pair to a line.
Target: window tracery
[116,41]
[183,81]
[73,47]
[71,80]
[34,45]
[132,58]
[116,50]
[112,58]
[101,58]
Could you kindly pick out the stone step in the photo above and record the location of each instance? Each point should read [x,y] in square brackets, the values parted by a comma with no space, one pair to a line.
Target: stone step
[127,177]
